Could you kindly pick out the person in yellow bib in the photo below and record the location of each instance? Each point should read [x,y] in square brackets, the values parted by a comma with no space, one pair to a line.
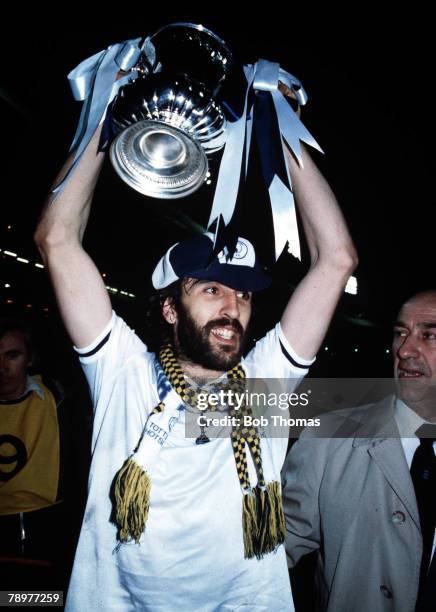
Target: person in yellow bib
[30,504]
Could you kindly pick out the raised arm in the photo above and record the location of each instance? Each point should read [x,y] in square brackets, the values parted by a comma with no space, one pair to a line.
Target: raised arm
[80,291]
[308,313]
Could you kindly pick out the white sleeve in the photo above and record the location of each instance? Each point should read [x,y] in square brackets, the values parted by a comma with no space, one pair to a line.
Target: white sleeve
[274,357]
[108,353]
[274,367]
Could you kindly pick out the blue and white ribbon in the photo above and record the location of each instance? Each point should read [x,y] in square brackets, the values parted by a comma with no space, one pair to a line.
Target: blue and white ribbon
[229,175]
[265,76]
[93,82]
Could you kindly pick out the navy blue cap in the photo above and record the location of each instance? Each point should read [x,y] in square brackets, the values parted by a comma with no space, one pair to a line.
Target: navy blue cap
[192,258]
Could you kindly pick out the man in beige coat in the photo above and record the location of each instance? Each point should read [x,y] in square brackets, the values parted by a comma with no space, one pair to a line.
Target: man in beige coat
[352,497]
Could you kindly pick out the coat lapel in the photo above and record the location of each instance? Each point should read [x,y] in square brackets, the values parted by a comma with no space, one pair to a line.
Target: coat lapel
[390,458]
[381,435]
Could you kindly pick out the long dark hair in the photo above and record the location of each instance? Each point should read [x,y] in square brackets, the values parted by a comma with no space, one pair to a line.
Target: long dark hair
[159,331]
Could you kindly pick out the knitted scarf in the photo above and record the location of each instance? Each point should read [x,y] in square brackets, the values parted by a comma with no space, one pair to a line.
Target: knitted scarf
[262,510]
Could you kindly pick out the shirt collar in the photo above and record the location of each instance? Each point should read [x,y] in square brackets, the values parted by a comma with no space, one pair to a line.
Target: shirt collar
[407,419]
[214,385]
[33,385]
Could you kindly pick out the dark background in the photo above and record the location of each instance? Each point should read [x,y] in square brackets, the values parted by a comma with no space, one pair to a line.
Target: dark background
[370,83]
[369,76]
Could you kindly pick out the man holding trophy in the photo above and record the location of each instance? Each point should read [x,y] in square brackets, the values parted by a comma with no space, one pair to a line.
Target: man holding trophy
[174,522]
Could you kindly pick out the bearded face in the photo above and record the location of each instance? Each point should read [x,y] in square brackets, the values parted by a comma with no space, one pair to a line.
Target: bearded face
[210,324]
[218,345]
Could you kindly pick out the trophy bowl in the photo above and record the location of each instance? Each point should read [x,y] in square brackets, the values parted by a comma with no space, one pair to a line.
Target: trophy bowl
[167,122]
[176,100]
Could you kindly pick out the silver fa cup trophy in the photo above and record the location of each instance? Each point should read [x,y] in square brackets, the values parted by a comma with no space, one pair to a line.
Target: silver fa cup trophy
[167,120]
[179,98]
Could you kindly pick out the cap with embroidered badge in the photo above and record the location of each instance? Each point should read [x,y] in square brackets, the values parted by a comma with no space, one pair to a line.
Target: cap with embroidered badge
[193,258]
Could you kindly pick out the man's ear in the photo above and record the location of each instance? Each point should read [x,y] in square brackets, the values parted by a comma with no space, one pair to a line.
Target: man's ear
[169,312]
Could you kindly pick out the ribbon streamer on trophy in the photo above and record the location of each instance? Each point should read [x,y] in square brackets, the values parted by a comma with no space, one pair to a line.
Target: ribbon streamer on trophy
[93,83]
[264,76]
[169,114]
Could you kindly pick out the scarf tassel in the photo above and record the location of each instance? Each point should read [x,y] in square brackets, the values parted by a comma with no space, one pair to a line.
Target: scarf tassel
[132,501]
[263,520]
